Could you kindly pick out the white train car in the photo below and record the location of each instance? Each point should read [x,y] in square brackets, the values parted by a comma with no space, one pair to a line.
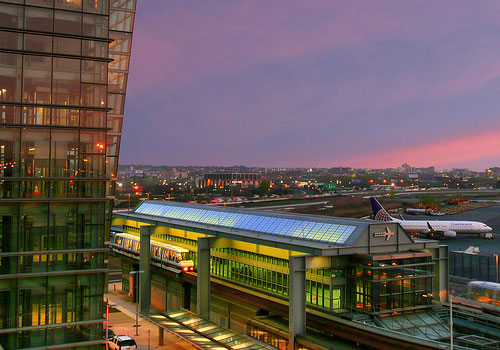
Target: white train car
[163,255]
[485,293]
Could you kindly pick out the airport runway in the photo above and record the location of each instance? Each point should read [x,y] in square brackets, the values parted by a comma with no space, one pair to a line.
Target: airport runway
[490,216]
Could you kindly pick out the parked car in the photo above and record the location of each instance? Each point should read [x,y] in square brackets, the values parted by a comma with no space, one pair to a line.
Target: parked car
[111,334]
[122,342]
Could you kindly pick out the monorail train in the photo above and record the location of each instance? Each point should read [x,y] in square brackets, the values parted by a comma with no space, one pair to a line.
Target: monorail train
[163,255]
[486,293]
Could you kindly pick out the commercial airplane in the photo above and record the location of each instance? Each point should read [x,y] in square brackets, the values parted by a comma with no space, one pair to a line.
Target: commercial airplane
[418,211]
[431,228]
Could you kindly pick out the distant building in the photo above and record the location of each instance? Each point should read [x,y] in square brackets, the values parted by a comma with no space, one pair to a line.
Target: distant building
[242,180]
[426,170]
[341,170]
[494,171]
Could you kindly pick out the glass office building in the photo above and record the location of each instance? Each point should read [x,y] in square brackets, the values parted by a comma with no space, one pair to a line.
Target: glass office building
[63,74]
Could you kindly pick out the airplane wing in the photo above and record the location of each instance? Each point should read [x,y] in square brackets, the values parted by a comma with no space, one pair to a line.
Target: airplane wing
[447,233]
[431,230]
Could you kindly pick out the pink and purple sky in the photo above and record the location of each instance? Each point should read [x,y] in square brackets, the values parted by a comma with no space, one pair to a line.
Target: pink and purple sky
[289,83]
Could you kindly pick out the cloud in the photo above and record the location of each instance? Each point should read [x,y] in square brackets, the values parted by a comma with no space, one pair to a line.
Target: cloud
[284,83]
[460,149]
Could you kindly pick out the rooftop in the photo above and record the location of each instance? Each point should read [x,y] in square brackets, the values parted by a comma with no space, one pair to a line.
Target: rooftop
[311,234]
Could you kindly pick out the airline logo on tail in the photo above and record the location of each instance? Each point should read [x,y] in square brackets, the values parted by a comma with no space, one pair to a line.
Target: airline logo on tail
[379,213]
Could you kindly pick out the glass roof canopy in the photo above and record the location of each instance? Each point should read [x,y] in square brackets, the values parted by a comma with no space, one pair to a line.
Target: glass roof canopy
[329,233]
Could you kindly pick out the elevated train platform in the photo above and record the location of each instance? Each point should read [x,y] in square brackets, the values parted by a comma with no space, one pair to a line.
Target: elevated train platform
[305,269]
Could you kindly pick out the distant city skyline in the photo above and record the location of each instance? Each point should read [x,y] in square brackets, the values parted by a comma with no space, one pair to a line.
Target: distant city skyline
[416,169]
[287,84]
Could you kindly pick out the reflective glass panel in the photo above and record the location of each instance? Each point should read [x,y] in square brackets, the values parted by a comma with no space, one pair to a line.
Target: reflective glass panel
[37,79]
[68,22]
[67,46]
[37,43]
[38,19]
[66,81]
[10,77]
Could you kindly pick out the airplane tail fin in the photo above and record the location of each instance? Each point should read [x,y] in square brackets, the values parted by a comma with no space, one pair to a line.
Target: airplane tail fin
[379,213]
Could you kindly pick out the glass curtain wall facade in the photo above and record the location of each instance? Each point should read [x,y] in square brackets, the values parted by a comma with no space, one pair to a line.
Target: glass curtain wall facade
[60,124]
[388,286]
[325,288]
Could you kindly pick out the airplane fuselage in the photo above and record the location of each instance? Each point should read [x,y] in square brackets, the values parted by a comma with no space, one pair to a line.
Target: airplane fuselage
[431,227]
[422,226]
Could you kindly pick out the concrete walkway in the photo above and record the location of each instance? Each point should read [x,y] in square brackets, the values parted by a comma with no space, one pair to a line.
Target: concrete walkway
[122,322]
[180,329]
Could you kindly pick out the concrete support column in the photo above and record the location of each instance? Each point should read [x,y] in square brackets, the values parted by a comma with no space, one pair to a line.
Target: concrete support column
[443,273]
[186,296]
[160,336]
[203,279]
[145,265]
[296,299]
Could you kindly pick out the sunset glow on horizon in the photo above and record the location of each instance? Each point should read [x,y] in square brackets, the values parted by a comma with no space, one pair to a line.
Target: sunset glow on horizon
[291,84]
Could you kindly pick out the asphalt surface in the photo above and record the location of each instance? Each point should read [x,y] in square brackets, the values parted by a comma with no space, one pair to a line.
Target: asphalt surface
[490,216]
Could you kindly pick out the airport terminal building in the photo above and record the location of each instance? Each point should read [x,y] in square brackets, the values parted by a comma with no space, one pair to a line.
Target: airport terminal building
[282,277]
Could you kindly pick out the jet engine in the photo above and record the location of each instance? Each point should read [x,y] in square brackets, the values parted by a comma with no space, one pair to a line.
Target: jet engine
[449,233]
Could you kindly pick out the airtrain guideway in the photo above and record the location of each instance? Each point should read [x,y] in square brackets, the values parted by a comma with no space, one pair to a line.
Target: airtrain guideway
[243,269]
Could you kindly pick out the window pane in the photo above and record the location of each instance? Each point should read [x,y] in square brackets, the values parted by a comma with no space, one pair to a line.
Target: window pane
[45,3]
[64,153]
[93,95]
[66,84]
[11,16]
[113,145]
[115,123]
[116,101]
[95,25]
[93,119]
[123,4]
[67,46]
[36,116]
[121,21]
[38,43]
[37,79]
[9,151]
[10,77]
[94,72]
[92,165]
[117,82]
[38,19]
[92,142]
[94,48]
[9,114]
[35,153]
[95,6]
[65,117]
[120,62]
[10,40]
[121,43]
[68,22]
[69,5]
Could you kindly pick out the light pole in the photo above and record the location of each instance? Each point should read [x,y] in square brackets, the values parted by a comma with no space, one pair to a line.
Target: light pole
[451,318]
[137,301]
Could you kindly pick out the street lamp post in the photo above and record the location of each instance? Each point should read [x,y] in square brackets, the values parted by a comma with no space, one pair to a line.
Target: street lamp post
[137,301]
[451,319]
